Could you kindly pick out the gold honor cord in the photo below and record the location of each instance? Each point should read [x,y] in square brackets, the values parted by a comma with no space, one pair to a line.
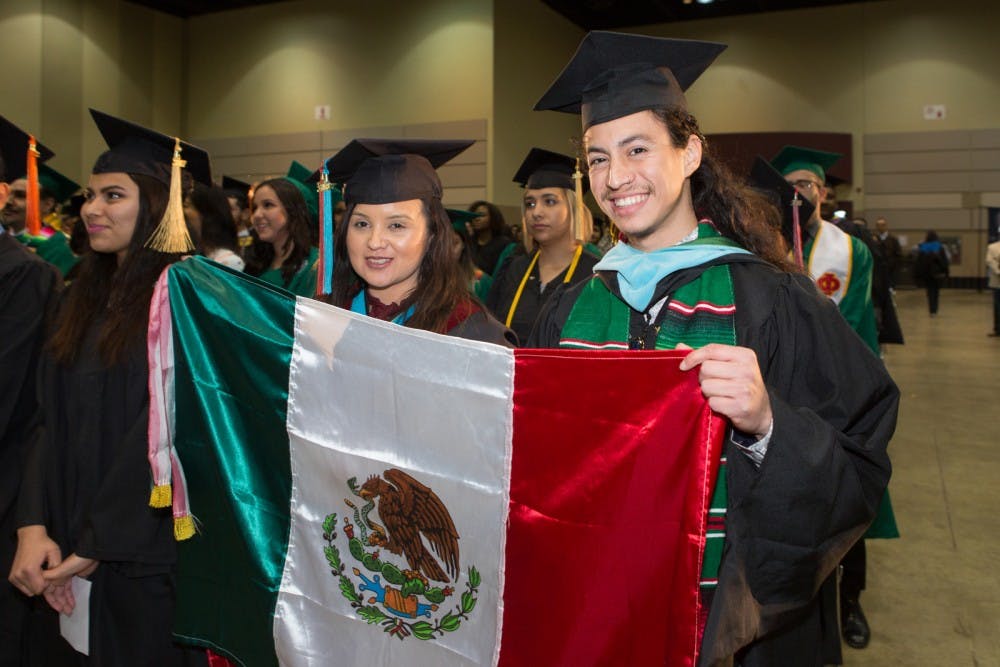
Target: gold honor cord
[524,280]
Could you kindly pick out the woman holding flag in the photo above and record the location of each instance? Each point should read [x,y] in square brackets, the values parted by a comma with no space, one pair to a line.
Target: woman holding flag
[394,258]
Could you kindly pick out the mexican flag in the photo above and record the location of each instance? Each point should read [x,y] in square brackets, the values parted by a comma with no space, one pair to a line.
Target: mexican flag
[367,494]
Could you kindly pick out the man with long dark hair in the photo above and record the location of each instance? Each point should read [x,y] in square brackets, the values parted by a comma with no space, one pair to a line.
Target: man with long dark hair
[811,409]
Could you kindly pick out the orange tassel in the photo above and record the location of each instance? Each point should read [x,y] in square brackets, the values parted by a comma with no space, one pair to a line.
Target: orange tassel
[33,212]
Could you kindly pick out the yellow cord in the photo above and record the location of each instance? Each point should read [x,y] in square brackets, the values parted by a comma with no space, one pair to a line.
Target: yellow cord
[527,274]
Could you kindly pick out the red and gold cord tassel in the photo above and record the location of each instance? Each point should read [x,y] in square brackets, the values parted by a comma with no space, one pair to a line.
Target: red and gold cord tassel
[171,235]
[797,232]
[33,211]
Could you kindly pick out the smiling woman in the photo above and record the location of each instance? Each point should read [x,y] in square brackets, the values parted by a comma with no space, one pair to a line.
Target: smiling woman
[83,510]
[394,259]
[282,253]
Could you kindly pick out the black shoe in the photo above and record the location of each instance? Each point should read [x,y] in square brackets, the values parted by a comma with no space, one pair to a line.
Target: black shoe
[853,624]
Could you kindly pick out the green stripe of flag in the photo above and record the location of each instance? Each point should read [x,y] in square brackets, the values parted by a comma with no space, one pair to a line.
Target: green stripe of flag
[232,387]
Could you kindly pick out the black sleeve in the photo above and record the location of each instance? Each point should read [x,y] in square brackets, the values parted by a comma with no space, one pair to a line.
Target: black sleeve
[826,468]
[547,331]
[482,327]
[499,287]
[25,293]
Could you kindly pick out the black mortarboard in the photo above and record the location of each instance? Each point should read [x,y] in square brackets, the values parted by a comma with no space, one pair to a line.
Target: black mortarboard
[614,74]
[133,149]
[546,169]
[381,171]
[794,158]
[764,176]
[14,151]
[235,185]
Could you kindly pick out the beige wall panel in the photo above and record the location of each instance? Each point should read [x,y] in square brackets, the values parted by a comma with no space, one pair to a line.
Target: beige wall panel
[264,69]
[913,201]
[958,181]
[469,129]
[930,140]
[272,163]
[991,199]
[62,79]
[985,159]
[985,181]
[462,197]
[986,138]
[462,176]
[532,44]
[881,163]
[21,53]
[334,140]
[283,143]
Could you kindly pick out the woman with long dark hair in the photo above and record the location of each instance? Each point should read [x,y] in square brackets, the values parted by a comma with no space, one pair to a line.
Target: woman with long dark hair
[84,509]
[394,256]
[488,237]
[555,231]
[209,217]
[282,253]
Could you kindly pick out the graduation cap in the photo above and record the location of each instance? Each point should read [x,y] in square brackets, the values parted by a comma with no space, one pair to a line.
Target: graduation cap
[59,186]
[614,74]
[134,149]
[459,218]
[794,158]
[14,151]
[381,171]
[298,175]
[546,169]
[795,209]
[231,184]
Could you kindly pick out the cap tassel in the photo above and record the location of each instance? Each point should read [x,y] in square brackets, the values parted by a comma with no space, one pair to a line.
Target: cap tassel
[171,235]
[797,232]
[583,222]
[33,212]
[324,276]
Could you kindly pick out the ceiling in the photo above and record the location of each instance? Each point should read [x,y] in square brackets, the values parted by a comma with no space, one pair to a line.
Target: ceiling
[588,14]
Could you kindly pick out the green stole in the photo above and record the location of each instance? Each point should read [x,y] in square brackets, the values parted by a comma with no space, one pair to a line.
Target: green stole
[697,313]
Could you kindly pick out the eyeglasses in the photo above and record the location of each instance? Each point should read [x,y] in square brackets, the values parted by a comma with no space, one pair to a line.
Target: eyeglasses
[805,184]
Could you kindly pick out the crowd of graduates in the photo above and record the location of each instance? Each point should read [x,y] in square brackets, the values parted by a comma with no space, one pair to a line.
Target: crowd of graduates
[776,302]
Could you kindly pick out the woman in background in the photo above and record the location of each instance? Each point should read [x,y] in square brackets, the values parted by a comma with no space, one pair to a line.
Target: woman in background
[931,268]
[488,236]
[283,254]
[209,217]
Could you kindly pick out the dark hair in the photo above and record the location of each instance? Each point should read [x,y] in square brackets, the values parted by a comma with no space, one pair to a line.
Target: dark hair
[260,255]
[738,212]
[498,226]
[931,236]
[119,295]
[442,284]
[217,227]
[242,200]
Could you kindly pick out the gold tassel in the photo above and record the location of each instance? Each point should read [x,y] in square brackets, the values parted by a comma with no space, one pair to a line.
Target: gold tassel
[171,235]
[161,496]
[582,228]
[183,527]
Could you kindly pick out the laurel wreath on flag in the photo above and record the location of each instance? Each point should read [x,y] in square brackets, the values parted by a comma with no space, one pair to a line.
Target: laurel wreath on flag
[425,630]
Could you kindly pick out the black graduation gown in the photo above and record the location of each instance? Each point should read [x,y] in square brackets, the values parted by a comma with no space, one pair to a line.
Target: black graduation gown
[27,285]
[89,482]
[508,279]
[485,257]
[790,521]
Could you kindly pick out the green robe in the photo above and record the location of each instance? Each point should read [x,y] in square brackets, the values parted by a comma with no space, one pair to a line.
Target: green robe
[53,249]
[303,283]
